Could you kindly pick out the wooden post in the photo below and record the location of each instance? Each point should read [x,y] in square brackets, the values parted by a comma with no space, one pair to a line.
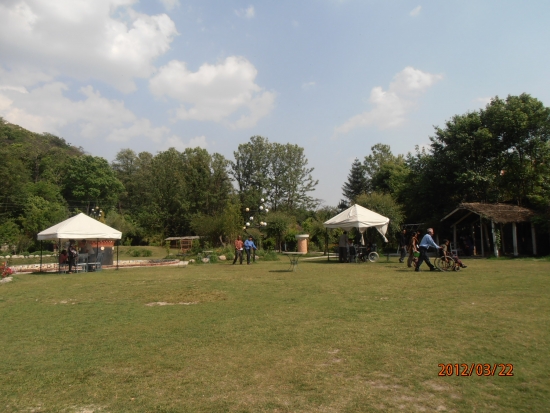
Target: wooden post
[495,246]
[534,239]
[515,238]
[473,233]
[502,239]
[454,237]
[481,237]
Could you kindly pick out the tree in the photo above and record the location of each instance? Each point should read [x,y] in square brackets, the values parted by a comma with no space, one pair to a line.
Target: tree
[385,205]
[275,172]
[90,180]
[498,154]
[357,182]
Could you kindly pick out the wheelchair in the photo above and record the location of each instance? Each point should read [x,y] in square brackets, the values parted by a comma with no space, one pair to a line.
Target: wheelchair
[447,263]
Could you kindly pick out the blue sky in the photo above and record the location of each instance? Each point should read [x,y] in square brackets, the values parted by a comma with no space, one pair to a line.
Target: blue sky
[333,76]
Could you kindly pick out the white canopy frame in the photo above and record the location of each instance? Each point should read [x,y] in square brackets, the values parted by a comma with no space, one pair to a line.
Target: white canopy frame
[80,226]
[360,218]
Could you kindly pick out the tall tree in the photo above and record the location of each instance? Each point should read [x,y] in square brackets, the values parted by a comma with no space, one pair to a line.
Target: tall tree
[273,171]
[357,182]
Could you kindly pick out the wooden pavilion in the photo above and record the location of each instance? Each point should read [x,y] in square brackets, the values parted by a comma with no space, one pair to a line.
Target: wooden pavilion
[478,216]
[183,243]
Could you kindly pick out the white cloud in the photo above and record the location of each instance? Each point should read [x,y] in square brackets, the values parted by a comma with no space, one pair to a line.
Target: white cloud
[170,4]
[391,107]
[225,92]
[103,39]
[46,109]
[308,85]
[179,144]
[483,100]
[247,13]
[416,11]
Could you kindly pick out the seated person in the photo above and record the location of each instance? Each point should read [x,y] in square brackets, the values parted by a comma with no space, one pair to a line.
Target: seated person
[445,251]
[63,257]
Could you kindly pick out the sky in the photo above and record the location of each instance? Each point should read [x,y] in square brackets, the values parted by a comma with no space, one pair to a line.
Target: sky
[333,76]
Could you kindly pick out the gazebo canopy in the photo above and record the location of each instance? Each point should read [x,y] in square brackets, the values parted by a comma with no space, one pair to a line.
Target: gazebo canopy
[360,218]
[80,226]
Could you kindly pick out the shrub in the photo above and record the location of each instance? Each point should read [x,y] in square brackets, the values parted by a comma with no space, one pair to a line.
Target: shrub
[270,256]
[213,258]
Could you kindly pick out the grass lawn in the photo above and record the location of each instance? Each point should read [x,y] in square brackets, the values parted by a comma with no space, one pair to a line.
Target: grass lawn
[327,338]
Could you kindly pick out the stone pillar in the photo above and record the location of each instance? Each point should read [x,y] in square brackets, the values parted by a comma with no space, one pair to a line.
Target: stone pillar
[302,242]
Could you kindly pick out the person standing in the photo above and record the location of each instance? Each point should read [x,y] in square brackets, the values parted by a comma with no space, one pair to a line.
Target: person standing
[343,247]
[425,244]
[249,247]
[238,250]
[73,256]
[413,247]
[403,245]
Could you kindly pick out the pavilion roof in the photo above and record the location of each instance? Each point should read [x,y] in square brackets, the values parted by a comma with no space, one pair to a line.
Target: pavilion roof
[499,213]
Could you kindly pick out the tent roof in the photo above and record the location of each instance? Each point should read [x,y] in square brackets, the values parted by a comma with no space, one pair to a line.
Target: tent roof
[80,226]
[361,218]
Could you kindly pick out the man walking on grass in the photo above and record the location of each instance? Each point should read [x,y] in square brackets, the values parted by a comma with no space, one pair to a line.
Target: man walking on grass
[426,243]
[238,250]
[250,247]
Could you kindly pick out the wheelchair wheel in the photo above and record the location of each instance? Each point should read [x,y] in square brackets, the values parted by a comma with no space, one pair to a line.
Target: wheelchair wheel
[373,256]
[456,266]
[444,264]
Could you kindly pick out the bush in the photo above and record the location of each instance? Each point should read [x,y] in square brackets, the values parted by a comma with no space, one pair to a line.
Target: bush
[230,256]
[213,258]
[270,256]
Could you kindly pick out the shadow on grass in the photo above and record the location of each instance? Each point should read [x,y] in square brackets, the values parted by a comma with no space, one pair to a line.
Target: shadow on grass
[281,271]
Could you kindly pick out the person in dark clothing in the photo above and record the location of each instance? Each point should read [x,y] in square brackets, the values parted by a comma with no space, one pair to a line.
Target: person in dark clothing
[403,245]
[73,255]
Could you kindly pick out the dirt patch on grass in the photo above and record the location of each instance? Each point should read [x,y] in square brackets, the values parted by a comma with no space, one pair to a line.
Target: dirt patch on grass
[187,298]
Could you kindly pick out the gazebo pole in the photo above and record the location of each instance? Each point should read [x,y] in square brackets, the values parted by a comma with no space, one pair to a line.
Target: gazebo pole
[534,239]
[515,238]
[495,246]
[117,243]
[40,255]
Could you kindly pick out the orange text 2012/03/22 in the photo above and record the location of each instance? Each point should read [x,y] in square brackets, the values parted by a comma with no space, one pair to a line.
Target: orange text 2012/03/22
[478,369]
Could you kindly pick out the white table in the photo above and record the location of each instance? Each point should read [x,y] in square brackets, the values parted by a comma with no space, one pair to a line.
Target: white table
[293,257]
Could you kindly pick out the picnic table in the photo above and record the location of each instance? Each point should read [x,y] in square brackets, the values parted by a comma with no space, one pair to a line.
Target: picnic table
[293,257]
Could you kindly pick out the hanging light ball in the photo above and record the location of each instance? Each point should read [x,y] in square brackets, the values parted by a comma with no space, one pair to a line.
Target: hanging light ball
[262,200]
[248,224]
[247,209]
[266,210]
[244,227]
[252,218]
[261,208]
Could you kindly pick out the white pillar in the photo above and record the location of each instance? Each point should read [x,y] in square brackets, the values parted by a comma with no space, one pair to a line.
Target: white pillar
[515,238]
[534,239]
[495,246]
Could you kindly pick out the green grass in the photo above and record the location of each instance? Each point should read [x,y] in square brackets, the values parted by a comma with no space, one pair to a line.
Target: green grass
[327,338]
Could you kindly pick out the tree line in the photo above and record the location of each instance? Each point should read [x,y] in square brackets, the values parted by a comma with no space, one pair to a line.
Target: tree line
[500,153]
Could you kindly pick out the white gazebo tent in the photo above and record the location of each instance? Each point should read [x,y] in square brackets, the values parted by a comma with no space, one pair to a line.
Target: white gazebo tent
[360,218]
[80,226]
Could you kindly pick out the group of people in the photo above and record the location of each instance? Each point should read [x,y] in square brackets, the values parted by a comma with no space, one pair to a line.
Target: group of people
[348,251]
[248,246]
[418,251]
[69,257]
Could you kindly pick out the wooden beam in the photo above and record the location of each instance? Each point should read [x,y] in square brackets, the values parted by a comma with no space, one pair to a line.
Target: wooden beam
[463,218]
